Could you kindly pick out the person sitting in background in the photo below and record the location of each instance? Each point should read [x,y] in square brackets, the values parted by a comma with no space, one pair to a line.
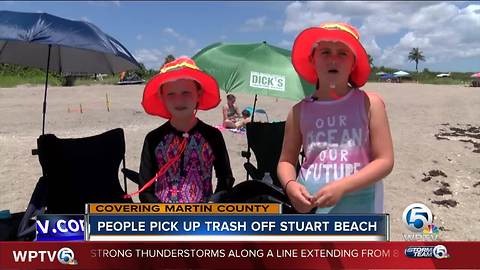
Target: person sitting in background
[231,113]
[246,118]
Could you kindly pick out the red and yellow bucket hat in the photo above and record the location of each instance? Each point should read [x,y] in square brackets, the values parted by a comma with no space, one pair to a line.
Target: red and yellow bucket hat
[336,32]
[181,68]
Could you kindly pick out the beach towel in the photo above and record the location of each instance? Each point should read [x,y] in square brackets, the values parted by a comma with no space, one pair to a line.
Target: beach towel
[242,130]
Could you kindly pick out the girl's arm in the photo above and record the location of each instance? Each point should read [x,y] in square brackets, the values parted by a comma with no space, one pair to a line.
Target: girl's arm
[380,166]
[292,141]
[225,112]
[237,111]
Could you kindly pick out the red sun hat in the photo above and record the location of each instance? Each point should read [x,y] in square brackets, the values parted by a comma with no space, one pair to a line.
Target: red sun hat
[332,31]
[181,68]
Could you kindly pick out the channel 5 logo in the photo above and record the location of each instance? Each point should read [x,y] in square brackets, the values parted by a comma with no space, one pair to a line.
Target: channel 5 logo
[419,220]
[66,256]
[438,252]
[417,216]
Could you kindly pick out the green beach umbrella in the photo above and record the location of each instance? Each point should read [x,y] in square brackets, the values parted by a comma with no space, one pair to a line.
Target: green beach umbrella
[257,68]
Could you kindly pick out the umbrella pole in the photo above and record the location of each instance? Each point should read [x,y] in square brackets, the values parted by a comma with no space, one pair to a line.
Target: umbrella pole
[254,105]
[248,144]
[45,94]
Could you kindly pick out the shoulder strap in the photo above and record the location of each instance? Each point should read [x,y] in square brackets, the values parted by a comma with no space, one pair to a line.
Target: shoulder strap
[367,102]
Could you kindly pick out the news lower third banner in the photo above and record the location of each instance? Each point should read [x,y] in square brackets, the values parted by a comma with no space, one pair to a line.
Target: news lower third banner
[237,227]
[207,222]
[239,255]
[183,209]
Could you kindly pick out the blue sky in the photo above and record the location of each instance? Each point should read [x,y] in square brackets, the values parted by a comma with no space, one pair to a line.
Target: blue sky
[446,32]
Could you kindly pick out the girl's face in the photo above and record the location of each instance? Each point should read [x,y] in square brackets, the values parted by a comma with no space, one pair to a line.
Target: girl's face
[180,97]
[333,61]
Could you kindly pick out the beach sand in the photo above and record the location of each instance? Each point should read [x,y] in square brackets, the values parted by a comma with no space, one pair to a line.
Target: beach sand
[416,113]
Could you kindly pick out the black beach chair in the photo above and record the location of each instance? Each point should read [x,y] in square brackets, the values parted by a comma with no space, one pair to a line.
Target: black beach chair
[265,140]
[75,172]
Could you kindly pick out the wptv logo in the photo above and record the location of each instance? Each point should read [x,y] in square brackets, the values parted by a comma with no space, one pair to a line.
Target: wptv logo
[64,256]
[419,219]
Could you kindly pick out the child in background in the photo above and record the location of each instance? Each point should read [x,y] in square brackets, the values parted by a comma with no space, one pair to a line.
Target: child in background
[178,157]
[344,131]
[246,118]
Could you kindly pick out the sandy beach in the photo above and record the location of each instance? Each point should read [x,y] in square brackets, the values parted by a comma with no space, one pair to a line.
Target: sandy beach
[431,159]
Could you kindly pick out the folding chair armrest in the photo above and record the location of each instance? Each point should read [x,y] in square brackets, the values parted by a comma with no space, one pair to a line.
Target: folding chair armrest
[219,196]
[287,207]
[131,175]
[252,171]
[36,206]
[246,154]
[27,227]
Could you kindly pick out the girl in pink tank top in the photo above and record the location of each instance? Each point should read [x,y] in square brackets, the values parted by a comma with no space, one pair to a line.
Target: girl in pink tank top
[343,131]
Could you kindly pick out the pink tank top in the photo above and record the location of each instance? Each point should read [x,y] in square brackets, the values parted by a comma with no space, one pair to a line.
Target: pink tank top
[336,142]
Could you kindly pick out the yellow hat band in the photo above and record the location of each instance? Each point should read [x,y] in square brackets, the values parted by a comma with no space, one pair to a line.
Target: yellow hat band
[332,26]
[177,66]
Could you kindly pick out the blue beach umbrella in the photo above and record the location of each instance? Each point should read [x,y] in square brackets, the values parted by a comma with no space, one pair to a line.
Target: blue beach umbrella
[56,44]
